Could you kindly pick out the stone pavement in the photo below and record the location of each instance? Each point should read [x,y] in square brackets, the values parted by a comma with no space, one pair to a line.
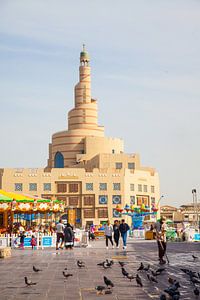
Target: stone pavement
[51,284]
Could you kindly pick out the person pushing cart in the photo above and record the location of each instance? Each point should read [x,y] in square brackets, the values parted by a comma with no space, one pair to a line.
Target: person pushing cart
[161,228]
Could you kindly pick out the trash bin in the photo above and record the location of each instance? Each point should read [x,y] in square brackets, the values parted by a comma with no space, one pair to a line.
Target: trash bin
[149,235]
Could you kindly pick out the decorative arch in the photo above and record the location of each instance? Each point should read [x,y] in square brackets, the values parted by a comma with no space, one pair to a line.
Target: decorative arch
[58,160]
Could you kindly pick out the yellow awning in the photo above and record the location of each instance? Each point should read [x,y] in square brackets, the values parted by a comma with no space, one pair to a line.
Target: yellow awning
[15,195]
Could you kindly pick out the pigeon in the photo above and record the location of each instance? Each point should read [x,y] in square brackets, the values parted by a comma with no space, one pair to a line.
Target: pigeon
[111,262]
[193,274]
[176,297]
[171,280]
[186,271]
[107,292]
[67,275]
[80,264]
[124,272]
[160,270]
[139,280]
[107,264]
[173,289]
[29,282]
[36,270]
[151,278]
[171,292]
[130,276]
[148,276]
[163,297]
[122,264]
[146,268]
[189,272]
[141,267]
[101,264]
[100,289]
[155,273]
[194,257]
[196,291]
[108,282]
[194,280]
[175,286]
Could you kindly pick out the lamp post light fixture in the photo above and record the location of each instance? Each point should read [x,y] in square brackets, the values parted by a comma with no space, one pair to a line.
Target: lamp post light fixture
[160,199]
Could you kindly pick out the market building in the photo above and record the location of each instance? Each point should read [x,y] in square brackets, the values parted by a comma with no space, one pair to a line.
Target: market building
[171,213]
[191,213]
[88,171]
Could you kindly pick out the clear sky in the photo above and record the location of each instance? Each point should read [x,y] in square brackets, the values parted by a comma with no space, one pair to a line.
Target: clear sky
[145,58]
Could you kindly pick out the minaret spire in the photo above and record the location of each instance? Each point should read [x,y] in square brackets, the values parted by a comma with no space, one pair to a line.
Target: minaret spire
[84,57]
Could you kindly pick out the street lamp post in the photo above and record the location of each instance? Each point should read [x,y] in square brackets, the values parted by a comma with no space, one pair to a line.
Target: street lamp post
[195,207]
[159,200]
[158,203]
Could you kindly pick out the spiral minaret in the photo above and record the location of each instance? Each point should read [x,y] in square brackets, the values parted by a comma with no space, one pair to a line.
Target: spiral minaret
[82,121]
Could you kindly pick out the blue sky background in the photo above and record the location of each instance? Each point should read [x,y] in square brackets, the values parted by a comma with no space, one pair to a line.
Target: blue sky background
[145,74]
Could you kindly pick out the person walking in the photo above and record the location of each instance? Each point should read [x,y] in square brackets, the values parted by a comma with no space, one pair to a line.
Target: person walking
[124,228]
[59,234]
[116,232]
[68,236]
[161,227]
[108,233]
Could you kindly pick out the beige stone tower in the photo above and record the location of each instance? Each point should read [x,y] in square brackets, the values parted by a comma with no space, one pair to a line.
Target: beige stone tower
[70,147]
[83,117]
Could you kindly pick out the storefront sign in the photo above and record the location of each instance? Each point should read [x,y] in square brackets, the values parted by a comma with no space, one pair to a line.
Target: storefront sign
[27,242]
[47,241]
[197,237]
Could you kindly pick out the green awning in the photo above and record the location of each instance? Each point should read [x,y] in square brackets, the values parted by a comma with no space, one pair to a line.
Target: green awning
[5,198]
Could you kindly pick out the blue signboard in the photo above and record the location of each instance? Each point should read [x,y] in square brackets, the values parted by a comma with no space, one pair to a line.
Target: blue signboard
[197,237]
[27,242]
[47,241]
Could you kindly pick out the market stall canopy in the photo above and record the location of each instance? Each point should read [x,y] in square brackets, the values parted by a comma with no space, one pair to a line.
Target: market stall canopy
[8,196]
[17,197]
[26,203]
[5,198]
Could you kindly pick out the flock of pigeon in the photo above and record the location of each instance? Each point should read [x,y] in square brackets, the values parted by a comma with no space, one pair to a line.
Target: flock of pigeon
[170,292]
[152,275]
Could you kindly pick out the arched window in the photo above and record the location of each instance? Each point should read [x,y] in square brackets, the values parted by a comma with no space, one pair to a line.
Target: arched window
[59,160]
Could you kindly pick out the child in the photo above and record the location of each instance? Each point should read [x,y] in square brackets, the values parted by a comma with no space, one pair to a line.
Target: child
[91,233]
[33,242]
[22,236]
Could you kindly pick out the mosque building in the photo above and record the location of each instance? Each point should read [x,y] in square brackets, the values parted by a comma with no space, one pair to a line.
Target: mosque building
[88,171]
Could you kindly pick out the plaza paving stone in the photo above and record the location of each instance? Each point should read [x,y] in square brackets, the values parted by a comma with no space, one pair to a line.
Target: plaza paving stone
[52,285]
